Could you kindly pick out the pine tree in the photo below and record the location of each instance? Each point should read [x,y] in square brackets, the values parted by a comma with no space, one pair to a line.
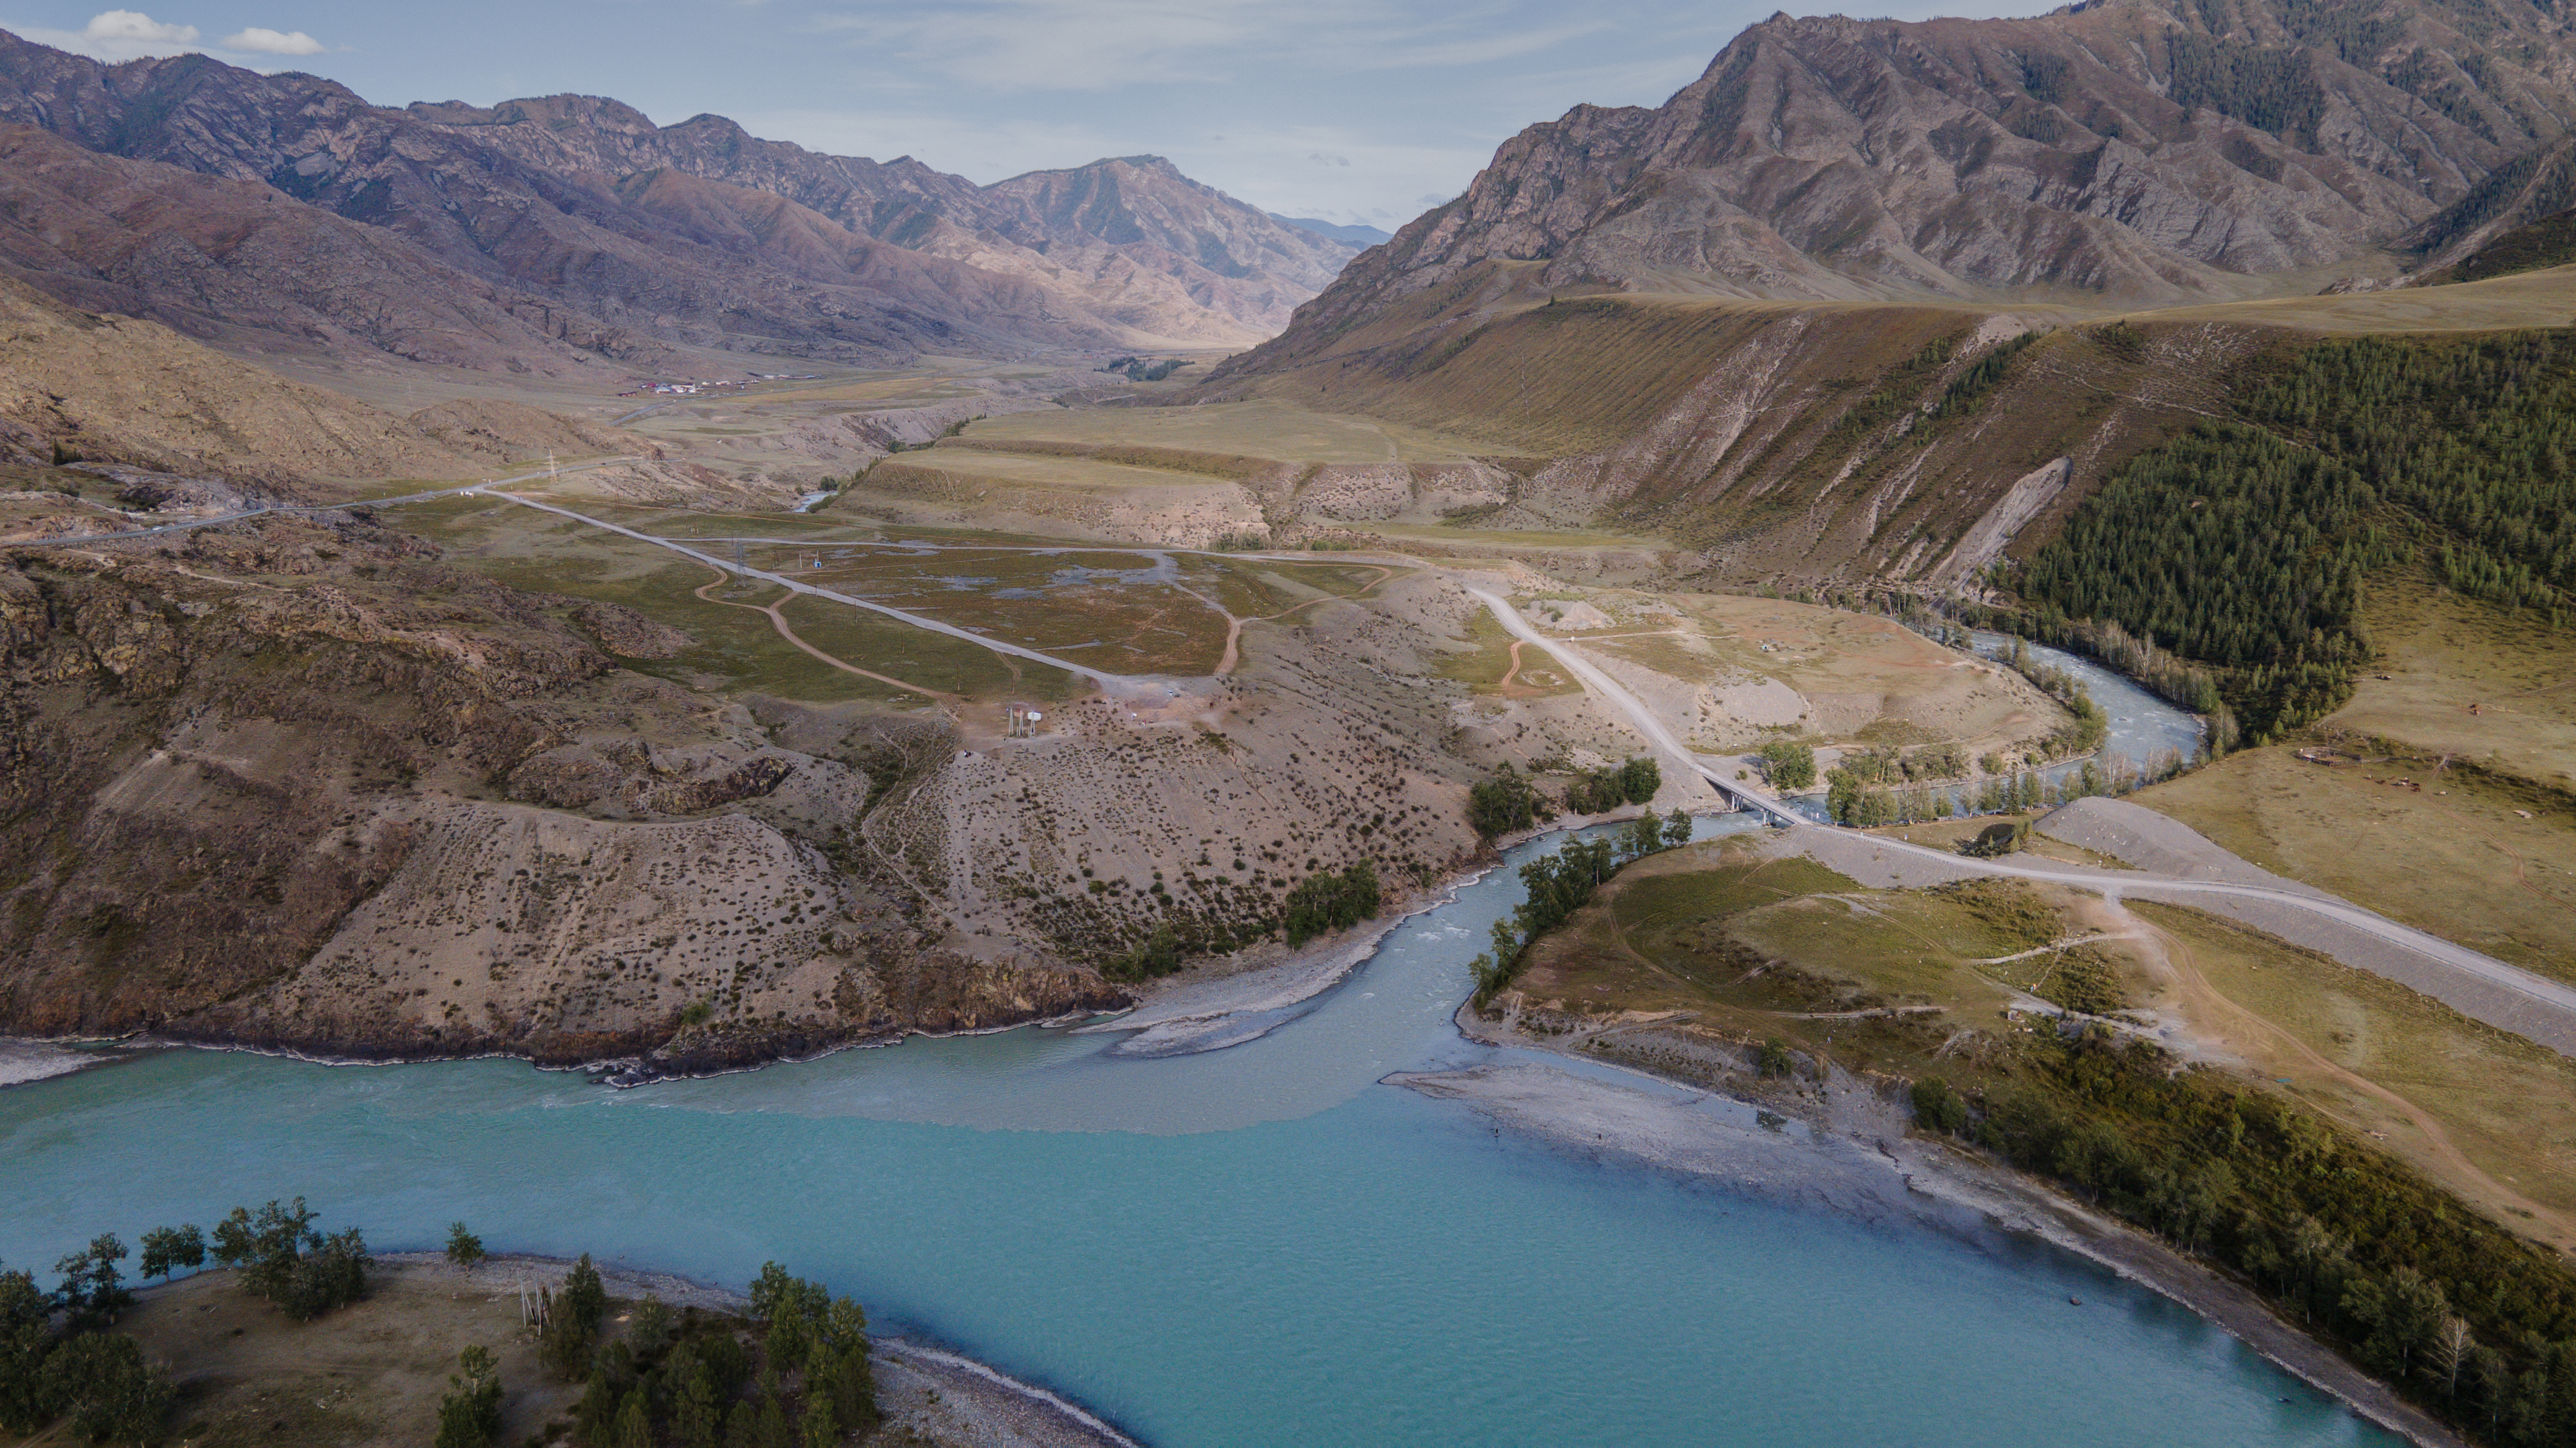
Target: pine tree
[470,1414]
[635,1421]
[820,1429]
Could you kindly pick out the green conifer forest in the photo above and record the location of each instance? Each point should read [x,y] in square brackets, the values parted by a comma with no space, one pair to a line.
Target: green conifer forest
[2245,544]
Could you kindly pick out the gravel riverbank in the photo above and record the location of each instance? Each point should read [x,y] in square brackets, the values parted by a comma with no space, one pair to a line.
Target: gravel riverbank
[25,1061]
[1849,1152]
[1180,1016]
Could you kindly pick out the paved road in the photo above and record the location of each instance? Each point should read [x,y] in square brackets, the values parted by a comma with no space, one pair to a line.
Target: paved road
[2115,883]
[1593,678]
[2557,1000]
[1118,685]
[301,510]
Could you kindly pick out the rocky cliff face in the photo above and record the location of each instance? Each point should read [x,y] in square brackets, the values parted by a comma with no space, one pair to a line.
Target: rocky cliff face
[301,785]
[2126,150]
[579,218]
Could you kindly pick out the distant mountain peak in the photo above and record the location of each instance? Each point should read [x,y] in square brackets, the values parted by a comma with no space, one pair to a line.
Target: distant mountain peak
[1353,234]
[584,219]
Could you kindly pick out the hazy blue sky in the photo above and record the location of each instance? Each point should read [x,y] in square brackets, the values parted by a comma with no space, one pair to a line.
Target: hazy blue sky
[1343,109]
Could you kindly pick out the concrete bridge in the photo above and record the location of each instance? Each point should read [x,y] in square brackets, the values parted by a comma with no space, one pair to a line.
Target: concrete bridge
[1771,810]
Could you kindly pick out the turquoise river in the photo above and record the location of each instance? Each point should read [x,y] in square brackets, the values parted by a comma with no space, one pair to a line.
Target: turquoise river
[1259,1245]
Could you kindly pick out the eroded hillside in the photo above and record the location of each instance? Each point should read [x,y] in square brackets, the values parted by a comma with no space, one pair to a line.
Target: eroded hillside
[280,771]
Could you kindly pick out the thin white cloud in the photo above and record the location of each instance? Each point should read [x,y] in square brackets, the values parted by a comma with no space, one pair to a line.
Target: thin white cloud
[134,25]
[1092,45]
[117,35]
[986,148]
[260,40]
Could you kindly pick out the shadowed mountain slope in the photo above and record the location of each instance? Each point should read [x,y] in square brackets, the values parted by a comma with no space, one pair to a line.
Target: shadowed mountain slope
[1362,237]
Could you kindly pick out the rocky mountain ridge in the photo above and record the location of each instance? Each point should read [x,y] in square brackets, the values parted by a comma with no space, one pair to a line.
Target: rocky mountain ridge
[606,234]
[2128,152]
[233,262]
[1129,236]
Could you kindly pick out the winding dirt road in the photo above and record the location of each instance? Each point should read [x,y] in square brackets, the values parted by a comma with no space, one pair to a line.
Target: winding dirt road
[788,632]
[1601,683]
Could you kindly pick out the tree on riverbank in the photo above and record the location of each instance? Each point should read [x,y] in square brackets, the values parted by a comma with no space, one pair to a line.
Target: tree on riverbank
[827,1336]
[1787,765]
[1504,804]
[102,1383]
[93,1290]
[656,1378]
[572,1322]
[2457,1312]
[463,1247]
[470,1415]
[681,1377]
[167,1249]
[99,1380]
[1331,901]
[282,1258]
[96,1379]
[1596,791]
[1558,885]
